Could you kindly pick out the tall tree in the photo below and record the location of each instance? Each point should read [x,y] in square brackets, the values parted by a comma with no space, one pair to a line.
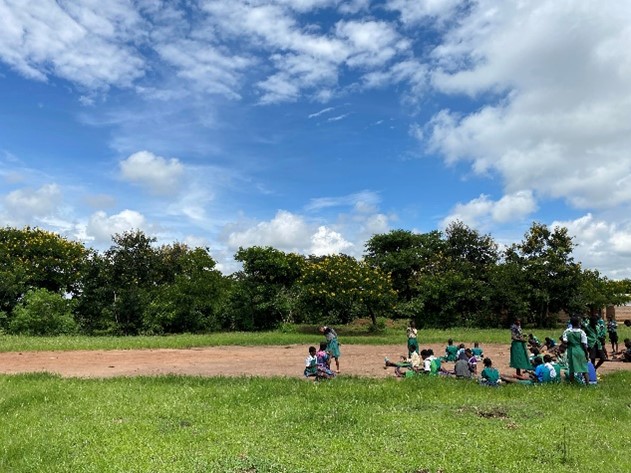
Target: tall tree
[551,276]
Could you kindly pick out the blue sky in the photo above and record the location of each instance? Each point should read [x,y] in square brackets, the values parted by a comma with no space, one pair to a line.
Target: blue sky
[310,125]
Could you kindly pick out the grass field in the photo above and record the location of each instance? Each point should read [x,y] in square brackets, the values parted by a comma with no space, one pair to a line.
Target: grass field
[348,335]
[180,424]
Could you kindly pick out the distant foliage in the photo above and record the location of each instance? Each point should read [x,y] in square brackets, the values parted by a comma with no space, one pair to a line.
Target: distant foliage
[455,277]
[42,312]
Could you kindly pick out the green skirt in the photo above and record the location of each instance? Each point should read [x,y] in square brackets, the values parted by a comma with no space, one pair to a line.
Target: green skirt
[412,345]
[576,361]
[333,347]
[519,356]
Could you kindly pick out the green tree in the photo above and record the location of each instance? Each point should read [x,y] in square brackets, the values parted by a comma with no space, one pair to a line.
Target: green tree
[32,258]
[404,255]
[262,295]
[338,288]
[552,278]
[42,312]
[190,295]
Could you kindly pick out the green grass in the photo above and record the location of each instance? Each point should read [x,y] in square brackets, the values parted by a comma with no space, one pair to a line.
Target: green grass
[188,424]
[348,335]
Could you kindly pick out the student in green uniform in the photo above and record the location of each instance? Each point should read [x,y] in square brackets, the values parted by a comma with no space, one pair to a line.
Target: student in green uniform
[477,351]
[577,350]
[489,375]
[332,345]
[518,351]
[594,332]
[412,340]
[450,351]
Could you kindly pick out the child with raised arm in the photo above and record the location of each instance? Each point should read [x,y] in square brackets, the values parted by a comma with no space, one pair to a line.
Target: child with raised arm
[332,345]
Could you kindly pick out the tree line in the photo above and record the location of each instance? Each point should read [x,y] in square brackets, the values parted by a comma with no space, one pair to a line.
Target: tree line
[457,277]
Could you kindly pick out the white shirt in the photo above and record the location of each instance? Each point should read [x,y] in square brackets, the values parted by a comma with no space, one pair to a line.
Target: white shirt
[583,335]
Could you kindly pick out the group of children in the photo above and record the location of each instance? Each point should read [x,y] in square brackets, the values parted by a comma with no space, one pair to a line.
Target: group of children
[318,363]
[573,357]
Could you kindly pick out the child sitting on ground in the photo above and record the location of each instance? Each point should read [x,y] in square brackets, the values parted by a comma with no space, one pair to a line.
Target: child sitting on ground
[311,364]
[533,342]
[472,360]
[626,354]
[451,351]
[489,375]
[324,363]
[461,367]
[477,351]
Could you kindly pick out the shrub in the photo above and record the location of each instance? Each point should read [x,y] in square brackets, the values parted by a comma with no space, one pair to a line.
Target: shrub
[42,312]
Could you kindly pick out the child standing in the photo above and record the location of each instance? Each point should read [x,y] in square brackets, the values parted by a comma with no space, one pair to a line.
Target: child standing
[612,330]
[332,345]
[311,363]
[412,340]
[577,351]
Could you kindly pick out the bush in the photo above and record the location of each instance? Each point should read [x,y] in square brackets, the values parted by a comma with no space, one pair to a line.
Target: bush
[42,312]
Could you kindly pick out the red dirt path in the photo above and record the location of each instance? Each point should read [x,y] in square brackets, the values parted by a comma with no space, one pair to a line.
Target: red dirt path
[358,360]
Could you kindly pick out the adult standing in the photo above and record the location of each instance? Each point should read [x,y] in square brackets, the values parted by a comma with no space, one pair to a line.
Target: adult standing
[518,350]
[577,350]
[332,345]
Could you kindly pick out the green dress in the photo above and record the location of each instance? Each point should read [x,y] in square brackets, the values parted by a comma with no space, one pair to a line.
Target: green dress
[518,351]
[576,360]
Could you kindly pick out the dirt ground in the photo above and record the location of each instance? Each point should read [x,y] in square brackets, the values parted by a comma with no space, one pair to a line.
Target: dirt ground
[357,360]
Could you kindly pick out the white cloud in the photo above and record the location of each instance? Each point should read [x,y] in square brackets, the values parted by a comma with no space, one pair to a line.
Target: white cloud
[101,227]
[560,126]
[482,211]
[286,231]
[155,173]
[85,43]
[326,242]
[365,201]
[601,245]
[25,204]
[413,11]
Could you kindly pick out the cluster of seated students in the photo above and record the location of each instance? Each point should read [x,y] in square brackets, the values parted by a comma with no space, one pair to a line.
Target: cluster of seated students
[318,363]
[548,360]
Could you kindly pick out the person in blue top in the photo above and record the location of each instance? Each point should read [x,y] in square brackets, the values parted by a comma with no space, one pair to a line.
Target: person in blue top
[332,345]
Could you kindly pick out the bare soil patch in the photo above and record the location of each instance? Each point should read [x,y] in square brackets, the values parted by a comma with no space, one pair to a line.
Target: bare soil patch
[356,360]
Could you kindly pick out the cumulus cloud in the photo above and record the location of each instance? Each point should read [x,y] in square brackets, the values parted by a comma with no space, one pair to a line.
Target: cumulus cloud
[286,231]
[25,204]
[558,125]
[101,227]
[483,211]
[601,244]
[156,174]
[327,242]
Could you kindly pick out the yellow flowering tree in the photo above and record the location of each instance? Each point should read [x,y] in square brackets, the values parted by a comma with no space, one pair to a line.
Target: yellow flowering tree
[32,258]
[339,288]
